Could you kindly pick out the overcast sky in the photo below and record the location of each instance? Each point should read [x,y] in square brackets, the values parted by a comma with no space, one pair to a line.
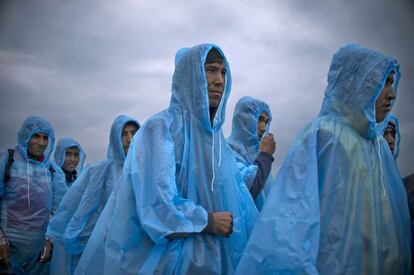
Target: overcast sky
[80,63]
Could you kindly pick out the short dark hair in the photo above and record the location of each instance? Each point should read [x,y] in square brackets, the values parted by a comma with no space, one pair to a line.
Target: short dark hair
[132,123]
[214,56]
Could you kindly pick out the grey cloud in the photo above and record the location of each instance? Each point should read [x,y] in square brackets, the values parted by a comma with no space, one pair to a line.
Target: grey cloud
[79,64]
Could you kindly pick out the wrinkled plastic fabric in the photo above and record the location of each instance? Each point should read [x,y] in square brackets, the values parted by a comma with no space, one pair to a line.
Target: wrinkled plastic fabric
[178,168]
[84,201]
[338,204]
[394,119]
[244,140]
[26,200]
[58,264]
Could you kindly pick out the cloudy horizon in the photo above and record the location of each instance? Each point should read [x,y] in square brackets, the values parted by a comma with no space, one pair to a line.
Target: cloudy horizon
[79,64]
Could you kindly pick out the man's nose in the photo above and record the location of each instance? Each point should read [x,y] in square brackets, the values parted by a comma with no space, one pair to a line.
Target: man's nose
[219,79]
[391,94]
[129,137]
[43,141]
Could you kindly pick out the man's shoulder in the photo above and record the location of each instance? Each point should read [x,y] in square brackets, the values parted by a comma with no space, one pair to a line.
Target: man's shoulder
[157,123]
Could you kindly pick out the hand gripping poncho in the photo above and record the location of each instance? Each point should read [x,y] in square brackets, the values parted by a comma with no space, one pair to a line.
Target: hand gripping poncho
[26,199]
[178,168]
[338,205]
[244,140]
[83,203]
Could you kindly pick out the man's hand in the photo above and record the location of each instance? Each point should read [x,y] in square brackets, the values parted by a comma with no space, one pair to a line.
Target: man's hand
[4,255]
[268,144]
[46,253]
[220,223]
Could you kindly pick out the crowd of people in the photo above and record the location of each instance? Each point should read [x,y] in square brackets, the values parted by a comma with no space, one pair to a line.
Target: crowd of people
[174,196]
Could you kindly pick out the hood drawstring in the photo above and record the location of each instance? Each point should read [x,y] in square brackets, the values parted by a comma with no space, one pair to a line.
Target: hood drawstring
[28,183]
[212,165]
[380,163]
[219,164]
[47,178]
[212,160]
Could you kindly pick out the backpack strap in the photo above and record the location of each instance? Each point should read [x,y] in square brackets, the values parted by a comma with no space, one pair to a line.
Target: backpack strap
[10,161]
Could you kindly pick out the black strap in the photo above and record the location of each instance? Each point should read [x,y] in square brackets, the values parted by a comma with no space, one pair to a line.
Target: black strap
[10,161]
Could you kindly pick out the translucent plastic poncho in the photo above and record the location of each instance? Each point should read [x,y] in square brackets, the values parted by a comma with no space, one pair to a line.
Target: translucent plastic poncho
[83,203]
[27,198]
[338,204]
[178,168]
[59,155]
[57,164]
[59,261]
[244,140]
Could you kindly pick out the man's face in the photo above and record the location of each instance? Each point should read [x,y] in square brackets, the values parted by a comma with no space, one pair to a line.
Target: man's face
[216,79]
[37,145]
[72,158]
[262,124]
[128,133]
[383,103]
[389,135]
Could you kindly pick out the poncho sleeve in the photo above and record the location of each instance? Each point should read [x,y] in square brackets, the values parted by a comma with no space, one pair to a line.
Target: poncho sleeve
[59,187]
[67,207]
[161,209]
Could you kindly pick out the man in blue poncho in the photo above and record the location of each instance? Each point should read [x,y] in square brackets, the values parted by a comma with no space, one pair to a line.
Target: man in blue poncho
[79,210]
[251,143]
[27,191]
[338,205]
[69,158]
[181,206]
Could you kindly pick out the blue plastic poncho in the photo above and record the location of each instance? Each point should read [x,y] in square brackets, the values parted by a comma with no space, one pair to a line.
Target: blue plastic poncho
[57,164]
[26,199]
[59,261]
[83,203]
[338,204]
[244,140]
[394,120]
[178,168]
[62,145]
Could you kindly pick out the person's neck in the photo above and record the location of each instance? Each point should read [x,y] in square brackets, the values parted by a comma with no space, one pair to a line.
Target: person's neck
[213,111]
[30,156]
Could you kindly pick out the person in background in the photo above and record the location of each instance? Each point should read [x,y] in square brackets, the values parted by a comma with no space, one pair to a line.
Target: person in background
[252,144]
[392,135]
[79,210]
[69,158]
